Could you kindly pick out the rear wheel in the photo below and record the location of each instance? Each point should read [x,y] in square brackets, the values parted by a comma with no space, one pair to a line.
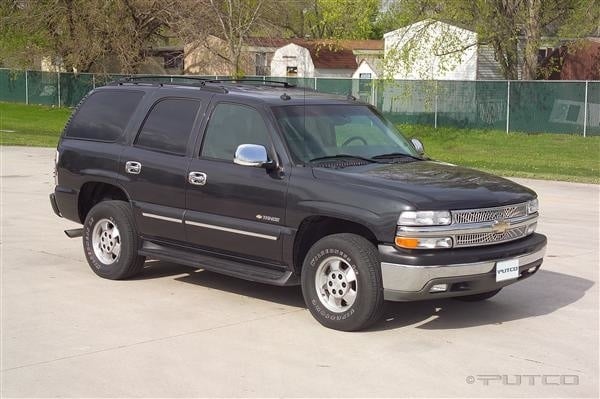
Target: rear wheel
[341,282]
[110,241]
[478,297]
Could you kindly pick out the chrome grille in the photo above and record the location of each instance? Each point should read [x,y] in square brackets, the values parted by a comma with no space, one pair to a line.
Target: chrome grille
[476,239]
[489,214]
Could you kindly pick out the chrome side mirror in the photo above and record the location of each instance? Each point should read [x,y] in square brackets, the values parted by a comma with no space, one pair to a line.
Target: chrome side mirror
[251,155]
[418,146]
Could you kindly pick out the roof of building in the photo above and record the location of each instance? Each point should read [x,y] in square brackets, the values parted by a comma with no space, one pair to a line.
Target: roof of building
[347,44]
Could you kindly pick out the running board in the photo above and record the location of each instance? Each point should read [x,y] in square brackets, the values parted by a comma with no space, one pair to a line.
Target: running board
[219,265]
[74,233]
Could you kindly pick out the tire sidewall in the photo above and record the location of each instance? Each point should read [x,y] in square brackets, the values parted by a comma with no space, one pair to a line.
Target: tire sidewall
[360,310]
[116,269]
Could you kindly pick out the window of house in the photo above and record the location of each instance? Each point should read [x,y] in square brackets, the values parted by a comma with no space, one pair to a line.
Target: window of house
[291,71]
[231,125]
[104,115]
[168,126]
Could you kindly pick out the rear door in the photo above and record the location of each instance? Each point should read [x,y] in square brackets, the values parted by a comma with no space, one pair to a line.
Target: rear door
[156,165]
[236,210]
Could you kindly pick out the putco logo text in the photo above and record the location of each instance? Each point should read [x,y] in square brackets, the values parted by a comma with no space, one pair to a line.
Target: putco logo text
[523,379]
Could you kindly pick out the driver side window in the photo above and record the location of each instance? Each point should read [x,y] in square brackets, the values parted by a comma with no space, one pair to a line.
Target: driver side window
[231,125]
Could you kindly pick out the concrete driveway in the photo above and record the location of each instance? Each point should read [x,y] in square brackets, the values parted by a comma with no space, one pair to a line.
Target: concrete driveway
[177,331]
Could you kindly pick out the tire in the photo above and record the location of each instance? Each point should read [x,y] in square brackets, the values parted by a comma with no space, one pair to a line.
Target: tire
[109,224]
[348,265]
[478,297]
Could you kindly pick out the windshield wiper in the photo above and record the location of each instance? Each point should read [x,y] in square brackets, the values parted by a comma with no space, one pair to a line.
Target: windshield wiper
[341,156]
[396,155]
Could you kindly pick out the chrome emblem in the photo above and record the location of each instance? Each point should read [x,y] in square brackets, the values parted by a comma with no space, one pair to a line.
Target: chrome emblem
[500,226]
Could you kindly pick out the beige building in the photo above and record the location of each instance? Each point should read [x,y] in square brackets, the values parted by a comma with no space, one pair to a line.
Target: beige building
[328,58]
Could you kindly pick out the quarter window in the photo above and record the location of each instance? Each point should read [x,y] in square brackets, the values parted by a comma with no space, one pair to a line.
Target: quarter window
[168,126]
[104,115]
[231,125]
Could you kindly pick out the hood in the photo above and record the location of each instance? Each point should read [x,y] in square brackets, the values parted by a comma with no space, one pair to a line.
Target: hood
[432,185]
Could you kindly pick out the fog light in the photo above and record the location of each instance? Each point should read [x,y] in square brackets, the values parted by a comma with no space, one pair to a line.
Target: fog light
[532,269]
[531,228]
[439,288]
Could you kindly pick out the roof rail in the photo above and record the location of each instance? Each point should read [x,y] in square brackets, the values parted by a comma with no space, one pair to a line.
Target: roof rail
[252,80]
[147,79]
[170,78]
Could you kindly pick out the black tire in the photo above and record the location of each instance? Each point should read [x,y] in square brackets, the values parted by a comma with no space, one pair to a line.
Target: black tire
[128,263]
[362,256]
[478,297]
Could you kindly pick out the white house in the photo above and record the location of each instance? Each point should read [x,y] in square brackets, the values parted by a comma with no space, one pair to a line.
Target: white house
[313,60]
[436,50]
[368,70]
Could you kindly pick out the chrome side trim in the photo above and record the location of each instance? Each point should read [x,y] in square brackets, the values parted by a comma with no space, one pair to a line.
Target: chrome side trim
[159,217]
[235,231]
[401,277]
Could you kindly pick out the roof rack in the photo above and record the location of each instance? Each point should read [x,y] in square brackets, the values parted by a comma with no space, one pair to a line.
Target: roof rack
[147,79]
[133,78]
[251,80]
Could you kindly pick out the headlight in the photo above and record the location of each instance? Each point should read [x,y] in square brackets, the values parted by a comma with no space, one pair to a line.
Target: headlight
[533,206]
[423,242]
[424,218]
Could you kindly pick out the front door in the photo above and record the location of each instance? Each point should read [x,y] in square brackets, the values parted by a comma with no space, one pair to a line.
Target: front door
[235,210]
[156,167]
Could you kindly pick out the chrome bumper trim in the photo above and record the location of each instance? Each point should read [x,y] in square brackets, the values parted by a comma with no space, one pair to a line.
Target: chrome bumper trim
[413,278]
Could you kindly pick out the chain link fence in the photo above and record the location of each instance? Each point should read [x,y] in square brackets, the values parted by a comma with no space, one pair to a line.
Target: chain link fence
[571,107]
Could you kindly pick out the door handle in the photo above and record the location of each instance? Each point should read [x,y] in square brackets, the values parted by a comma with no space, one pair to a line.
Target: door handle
[133,167]
[197,178]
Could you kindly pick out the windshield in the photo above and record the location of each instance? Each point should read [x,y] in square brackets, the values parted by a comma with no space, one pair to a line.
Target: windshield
[322,131]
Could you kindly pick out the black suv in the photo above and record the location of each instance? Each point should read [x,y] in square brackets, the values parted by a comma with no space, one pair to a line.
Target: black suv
[286,186]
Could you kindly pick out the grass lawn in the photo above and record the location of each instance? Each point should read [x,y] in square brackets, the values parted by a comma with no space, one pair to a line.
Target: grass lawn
[31,125]
[542,156]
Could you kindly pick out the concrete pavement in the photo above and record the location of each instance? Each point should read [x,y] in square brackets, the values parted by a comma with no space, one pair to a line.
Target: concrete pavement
[177,331]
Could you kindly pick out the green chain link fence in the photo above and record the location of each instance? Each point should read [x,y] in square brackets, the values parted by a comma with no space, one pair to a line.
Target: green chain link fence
[517,106]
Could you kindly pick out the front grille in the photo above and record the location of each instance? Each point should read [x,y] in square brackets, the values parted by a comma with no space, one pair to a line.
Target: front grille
[489,214]
[476,239]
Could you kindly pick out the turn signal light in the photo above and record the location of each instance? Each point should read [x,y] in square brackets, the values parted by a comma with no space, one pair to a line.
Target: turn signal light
[423,242]
[405,242]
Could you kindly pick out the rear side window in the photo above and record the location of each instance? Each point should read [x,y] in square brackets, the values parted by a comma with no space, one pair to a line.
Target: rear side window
[104,115]
[168,126]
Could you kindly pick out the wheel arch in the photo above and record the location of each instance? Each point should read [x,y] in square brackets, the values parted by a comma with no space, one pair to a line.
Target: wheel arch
[94,192]
[313,228]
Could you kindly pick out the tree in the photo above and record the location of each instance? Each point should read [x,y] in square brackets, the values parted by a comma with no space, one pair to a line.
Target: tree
[506,25]
[82,34]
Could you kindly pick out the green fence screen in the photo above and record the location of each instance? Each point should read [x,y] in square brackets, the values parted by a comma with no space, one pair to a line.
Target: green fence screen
[515,106]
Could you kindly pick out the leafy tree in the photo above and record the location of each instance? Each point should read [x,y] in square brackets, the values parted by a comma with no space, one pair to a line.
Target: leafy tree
[506,25]
[83,33]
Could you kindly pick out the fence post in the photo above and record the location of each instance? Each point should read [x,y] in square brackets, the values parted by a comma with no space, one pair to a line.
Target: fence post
[585,107]
[373,100]
[58,87]
[315,83]
[26,88]
[507,106]
[436,106]
[93,81]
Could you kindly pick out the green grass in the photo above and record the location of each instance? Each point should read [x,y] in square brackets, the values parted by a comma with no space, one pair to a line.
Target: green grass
[31,125]
[541,156]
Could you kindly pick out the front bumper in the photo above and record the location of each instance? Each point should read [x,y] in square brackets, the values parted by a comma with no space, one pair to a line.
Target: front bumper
[410,275]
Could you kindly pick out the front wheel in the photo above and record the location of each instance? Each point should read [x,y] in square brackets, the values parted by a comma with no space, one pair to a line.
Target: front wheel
[110,241]
[341,282]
